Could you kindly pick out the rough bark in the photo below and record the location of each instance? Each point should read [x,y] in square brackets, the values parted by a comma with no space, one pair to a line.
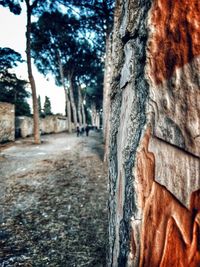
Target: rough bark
[67,101]
[106,95]
[30,76]
[154,147]
[71,94]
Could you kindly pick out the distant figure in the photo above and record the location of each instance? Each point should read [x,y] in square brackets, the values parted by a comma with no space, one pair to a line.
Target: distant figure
[82,130]
[87,128]
[77,130]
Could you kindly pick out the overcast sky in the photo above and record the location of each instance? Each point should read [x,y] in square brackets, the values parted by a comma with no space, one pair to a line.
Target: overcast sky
[12,34]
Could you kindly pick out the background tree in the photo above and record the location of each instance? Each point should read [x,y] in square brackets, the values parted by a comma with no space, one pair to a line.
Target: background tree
[47,106]
[97,16]
[60,49]
[12,89]
[54,37]
[31,7]
[65,39]
[8,59]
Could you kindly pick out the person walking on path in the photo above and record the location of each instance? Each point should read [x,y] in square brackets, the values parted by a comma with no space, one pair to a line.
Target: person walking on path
[87,130]
[77,130]
[82,130]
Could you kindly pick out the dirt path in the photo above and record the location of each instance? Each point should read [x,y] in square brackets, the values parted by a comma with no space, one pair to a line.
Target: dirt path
[53,203]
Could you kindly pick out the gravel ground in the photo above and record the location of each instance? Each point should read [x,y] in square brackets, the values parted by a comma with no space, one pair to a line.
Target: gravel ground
[53,202]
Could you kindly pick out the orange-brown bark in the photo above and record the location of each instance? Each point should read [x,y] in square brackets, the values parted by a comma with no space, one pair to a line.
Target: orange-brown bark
[175,39]
[170,232]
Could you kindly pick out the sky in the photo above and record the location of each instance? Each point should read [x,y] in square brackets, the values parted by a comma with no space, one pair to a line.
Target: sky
[12,35]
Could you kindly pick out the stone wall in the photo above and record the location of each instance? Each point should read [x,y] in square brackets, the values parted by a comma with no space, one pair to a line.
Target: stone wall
[24,126]
[7,124]
[154,148]
[49,124]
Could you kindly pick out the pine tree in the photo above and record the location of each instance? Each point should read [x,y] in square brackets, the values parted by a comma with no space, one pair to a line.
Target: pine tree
[12,89]
[32,7]
[47,106]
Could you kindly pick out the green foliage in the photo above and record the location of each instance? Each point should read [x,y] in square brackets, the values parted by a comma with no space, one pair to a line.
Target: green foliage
[96,16]
[94,92]
[13,5]
[8,59]
[12,89]
[36,6]
[62,38]
[22,108]
[47,106]
[54,34]
[76,38]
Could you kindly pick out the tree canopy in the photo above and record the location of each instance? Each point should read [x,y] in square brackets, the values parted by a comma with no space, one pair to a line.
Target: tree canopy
[50,40]
[12,89]
[8,59]
[96,15]
[79,57]
[69,35]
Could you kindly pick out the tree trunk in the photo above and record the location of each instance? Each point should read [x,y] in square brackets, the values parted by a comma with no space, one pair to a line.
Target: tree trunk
[68,109]
[30,76]
[106,95]
[94,114]
[154,146]
[67,101]
[83,113]
[98,120]
[71,93]
[80,102]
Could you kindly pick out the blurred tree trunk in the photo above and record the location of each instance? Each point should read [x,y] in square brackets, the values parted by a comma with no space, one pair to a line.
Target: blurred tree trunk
[71,94]
[67,100]
[30,75]
[94,114]
[83,108]
[83,113]
[80,102]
